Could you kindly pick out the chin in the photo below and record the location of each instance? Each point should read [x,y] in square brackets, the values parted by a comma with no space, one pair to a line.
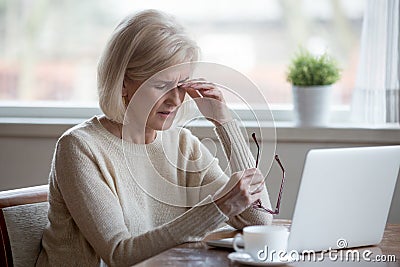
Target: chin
[162,125]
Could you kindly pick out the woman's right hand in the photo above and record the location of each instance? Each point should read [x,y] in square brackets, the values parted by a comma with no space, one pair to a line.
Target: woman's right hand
[241,191]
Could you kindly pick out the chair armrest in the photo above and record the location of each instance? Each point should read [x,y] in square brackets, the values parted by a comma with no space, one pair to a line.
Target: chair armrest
[15,197]
[22,196]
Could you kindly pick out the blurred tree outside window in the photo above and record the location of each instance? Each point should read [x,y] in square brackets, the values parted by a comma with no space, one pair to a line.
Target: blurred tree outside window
[49,49]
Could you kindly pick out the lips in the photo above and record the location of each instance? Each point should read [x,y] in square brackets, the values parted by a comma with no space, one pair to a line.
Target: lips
[165,114]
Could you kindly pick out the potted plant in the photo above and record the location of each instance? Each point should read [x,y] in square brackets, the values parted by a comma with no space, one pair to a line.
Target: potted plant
[312,78]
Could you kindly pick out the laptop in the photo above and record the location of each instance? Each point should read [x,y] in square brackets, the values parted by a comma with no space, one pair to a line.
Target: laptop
[343,200]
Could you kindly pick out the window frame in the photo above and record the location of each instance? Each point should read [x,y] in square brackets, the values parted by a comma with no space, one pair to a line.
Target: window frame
[280,113]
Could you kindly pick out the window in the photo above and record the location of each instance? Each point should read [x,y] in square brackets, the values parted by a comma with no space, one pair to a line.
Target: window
[49,49]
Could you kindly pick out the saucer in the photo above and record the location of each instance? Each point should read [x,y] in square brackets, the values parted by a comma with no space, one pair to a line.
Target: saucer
[246,259]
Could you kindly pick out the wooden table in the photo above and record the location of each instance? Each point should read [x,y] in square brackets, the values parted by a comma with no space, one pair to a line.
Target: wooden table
[199,254]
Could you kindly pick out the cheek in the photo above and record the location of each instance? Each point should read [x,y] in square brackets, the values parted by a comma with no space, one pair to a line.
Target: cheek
[155,100]
[156,105]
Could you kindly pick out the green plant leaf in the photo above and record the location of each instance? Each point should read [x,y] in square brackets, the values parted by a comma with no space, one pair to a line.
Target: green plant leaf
[306,69]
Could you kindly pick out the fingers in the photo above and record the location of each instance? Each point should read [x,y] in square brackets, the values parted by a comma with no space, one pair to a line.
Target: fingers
[254,174]
[242,195]
[187,83]
[251,180]
[200,91]
[206,92]
[247,198]
[201,88]
[193,93]
[195,84]
[211,93]
[257,188]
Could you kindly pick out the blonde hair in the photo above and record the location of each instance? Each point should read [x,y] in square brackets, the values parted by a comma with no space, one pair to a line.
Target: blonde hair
[140,46]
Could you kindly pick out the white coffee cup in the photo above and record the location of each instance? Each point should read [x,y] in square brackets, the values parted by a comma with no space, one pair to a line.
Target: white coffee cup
[263,242]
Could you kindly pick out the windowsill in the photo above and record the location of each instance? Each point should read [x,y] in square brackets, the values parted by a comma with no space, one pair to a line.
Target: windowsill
[286,131]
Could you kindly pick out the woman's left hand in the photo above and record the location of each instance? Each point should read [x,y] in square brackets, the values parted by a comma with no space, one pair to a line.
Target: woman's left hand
[209,100]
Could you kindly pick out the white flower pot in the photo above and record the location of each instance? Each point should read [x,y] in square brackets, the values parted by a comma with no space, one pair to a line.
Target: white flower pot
[312,105]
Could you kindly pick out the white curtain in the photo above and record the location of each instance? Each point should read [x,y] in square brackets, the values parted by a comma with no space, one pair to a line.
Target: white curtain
[376,97]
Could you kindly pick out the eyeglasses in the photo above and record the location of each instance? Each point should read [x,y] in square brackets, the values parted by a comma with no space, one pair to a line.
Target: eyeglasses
[258,204]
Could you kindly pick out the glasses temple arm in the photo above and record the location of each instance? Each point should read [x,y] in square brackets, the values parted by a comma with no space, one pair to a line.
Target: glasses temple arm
[278,203]
[258,148]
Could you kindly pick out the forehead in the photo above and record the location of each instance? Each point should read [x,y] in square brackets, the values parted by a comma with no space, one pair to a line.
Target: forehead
[173,74]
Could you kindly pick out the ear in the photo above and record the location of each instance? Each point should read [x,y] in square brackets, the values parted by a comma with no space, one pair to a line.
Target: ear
[124,92]
[124,89]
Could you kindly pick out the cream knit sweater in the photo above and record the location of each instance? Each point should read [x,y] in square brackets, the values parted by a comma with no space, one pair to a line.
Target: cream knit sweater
[99,208]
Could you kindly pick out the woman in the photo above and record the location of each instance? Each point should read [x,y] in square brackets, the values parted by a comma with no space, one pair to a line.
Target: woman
[98,208]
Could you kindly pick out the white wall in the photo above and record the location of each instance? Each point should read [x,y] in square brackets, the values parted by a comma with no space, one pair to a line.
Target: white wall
[26,152]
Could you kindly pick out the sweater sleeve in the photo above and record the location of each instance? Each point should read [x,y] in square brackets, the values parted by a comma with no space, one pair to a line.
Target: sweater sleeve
[97,214]
[239,158]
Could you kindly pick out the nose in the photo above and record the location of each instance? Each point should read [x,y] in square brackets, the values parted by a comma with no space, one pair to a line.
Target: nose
[174,97]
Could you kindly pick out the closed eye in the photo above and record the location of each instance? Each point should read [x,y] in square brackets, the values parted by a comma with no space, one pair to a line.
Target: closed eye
[167,85]
[160,86]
